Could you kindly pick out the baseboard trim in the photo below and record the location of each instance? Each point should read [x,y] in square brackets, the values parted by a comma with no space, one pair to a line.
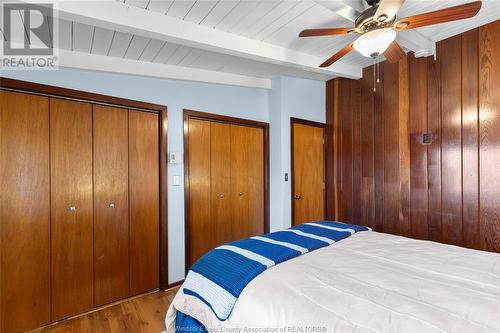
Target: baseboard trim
[174,284]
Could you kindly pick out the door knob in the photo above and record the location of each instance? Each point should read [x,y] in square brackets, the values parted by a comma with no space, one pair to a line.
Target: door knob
[240,194]
[112,205]
[72,209]
[221,195]
[297,197]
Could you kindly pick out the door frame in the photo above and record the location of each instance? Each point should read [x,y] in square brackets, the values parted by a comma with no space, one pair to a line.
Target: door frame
[192,114]
[294,121]
[161,110]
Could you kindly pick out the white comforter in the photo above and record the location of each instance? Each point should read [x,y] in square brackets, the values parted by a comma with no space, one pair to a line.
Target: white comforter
[369,282]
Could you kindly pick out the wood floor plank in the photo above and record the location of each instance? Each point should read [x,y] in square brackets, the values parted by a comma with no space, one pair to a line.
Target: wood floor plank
[144,314]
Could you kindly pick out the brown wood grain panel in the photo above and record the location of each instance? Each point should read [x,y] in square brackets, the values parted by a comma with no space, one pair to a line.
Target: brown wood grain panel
[161,110]
[391,149]
[239,182]
[489,111]
[71,207]
[434,149]
[379,151]
[220,173]
[330,182]
[357,210]
[111,220]
[337,157]
[418,150]
[256,180]
[404,146]
[470,134]
[164,285]
[246,159]
[198,177]
[346,151]
[367,148]
[144,201]
[308,172]
[24,212]
[434,191]
[451,136]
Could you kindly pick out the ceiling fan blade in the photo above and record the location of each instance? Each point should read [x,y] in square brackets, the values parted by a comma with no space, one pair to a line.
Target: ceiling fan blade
[387,9]
[394,53]
[440,16]
[337,56]
[350,11]
[326,32]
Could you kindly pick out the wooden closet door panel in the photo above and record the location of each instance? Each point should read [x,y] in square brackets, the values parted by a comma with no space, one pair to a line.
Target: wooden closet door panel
[220,172]
[24,212]
[111,223]
[144,201]
[256,187]
[240,158]
[308,173]
[200,229]
[71,207]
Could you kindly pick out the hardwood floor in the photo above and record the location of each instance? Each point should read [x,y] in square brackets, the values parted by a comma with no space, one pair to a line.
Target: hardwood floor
[143,314]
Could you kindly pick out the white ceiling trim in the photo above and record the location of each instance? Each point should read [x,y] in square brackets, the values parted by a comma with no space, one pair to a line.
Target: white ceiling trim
[99,63]
[85,61]
[114,15]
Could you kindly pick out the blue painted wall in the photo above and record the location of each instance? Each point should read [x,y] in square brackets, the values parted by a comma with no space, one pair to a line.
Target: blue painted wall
[297,98]
[290,97]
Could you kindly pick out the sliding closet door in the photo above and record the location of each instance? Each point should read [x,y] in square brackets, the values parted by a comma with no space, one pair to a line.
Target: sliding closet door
[144,201]
[24,212]
[256,187]
[247,181]
[71,207]
[225,183]
[239,182]
[221,230]
[200,231]
[111,226]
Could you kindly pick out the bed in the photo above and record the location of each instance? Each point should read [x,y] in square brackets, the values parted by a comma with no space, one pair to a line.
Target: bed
[368,282]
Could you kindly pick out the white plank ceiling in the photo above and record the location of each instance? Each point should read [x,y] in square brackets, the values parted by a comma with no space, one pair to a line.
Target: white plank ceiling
[275,22]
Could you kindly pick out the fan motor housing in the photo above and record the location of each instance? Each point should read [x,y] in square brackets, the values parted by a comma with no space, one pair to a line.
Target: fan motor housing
[365,21]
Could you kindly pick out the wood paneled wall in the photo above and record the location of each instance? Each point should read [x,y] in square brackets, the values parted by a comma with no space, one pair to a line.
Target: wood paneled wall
[379,171]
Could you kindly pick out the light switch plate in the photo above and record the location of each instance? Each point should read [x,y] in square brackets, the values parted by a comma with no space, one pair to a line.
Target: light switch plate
[177,180]
[174,157]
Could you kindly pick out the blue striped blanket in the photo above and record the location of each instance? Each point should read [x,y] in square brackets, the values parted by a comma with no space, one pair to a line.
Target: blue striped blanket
[219,277]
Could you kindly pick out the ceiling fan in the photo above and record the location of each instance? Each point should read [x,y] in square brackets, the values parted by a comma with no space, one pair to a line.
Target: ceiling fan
[378,27]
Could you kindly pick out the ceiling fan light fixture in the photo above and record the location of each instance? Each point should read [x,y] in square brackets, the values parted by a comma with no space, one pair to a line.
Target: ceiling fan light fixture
[375,42]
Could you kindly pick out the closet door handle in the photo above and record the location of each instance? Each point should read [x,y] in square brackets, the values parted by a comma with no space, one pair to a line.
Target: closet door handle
[72,208]
[112,205]
[221,195]
[240,194]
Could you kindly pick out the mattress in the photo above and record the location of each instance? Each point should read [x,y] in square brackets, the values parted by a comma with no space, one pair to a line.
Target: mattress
[369,282]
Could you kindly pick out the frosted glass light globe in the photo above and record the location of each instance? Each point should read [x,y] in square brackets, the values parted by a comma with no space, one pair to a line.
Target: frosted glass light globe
[375,42]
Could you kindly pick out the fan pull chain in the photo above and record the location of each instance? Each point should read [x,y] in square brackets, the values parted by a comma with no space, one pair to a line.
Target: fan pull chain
[374,76]
[378,72]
